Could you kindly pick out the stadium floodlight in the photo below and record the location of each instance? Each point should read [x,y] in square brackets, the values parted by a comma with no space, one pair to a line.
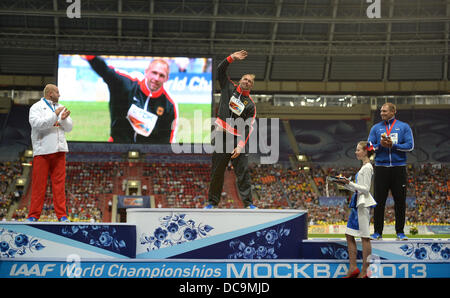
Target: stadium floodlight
[133,154]
[301,157]
[20,182]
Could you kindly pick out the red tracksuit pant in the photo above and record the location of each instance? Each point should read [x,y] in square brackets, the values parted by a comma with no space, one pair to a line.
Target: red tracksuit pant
[43,165]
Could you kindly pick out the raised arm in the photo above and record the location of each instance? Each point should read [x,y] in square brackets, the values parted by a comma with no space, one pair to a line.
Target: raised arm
[222,75]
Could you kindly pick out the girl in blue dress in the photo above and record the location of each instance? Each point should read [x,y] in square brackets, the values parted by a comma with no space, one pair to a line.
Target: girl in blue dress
[359,219]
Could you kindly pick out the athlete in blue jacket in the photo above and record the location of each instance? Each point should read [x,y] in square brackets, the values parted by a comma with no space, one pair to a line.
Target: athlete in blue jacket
[402,141]
[391,139]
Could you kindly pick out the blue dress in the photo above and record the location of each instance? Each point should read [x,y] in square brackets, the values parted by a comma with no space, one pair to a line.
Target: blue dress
[358,224]
[353,218]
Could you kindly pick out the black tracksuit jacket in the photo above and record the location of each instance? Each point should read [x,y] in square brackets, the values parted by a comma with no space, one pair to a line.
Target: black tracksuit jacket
[125,91]
[229,89]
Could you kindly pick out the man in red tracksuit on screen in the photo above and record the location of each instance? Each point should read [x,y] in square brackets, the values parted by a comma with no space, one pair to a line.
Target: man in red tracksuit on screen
[235,106]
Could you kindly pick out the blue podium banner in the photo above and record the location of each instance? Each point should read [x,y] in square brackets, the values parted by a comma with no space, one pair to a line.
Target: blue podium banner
[58,240]
[74,268]
[415,249]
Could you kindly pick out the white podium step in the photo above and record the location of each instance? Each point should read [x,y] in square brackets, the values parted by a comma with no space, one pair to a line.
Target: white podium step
[218,233]
[61,240]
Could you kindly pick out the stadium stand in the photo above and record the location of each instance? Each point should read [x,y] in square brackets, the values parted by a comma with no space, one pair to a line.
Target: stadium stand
[184,185]
[90,185]
[429,183]
[16,133]
[9,171]
[329,141]
[277,187]
[96,171]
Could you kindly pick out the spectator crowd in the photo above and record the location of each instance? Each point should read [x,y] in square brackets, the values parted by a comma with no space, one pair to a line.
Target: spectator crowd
[9,172]
[185,185]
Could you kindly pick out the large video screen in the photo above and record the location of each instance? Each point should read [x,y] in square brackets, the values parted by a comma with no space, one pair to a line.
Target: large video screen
[137,99]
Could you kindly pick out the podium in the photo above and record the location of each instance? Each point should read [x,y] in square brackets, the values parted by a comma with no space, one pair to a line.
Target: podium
[38,240]
[197,243]
[218,233]
[411,250]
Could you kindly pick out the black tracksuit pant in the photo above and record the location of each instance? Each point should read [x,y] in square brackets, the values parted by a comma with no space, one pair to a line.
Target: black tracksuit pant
[220,159]
[394,179]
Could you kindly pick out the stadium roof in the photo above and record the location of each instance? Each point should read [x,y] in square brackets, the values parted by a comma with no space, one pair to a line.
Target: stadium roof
[319,40]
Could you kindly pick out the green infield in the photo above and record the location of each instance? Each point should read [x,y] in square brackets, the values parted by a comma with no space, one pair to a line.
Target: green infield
[92,122]
[195,123]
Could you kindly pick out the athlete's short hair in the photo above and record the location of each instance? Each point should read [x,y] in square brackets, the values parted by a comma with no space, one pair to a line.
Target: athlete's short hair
[49,88]
[249,74]
[161,61]
[391,106]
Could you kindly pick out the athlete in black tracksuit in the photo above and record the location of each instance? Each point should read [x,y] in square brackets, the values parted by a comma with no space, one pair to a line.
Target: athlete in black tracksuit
[235,105]
[125,91]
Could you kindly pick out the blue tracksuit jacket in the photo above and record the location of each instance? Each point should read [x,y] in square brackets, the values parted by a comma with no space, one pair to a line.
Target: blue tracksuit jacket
[402,139]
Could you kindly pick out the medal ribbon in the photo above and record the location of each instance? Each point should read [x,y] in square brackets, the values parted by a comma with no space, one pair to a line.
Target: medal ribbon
[388,131]
[51,108]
